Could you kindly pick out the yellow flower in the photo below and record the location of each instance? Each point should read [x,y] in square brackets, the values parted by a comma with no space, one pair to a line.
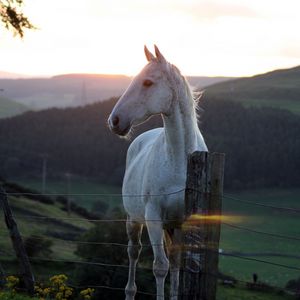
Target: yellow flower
[12,282]
[62,288]
[68,292]
[59,296]
[87,293]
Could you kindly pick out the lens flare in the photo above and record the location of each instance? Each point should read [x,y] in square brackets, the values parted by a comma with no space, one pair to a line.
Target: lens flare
[201,219]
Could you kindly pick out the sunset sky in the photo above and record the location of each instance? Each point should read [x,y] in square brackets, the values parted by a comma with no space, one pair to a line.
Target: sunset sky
[212,37]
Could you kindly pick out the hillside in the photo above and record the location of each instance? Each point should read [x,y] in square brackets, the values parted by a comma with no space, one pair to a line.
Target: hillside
[42,217]
[78,141]
[278,89]
[75,89]
[9,108]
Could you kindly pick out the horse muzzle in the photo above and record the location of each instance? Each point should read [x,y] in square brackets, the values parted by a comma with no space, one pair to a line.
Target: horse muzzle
[118,126]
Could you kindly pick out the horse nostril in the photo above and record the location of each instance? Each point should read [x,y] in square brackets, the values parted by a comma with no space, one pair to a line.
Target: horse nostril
[115,121]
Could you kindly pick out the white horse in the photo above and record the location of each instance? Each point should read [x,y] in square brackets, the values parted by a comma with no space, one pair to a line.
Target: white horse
[156,164]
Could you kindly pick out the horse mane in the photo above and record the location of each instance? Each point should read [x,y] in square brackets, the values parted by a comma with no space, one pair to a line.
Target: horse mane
[177,79]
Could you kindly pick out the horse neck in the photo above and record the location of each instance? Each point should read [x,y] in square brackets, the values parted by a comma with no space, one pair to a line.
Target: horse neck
[181,129]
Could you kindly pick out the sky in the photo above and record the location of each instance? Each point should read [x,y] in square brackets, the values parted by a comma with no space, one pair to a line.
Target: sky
[205,38]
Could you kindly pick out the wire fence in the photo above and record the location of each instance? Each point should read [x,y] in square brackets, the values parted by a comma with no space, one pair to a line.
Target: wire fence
[225,252]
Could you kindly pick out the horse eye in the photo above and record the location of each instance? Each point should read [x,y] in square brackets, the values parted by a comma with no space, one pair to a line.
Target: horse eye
[147,83]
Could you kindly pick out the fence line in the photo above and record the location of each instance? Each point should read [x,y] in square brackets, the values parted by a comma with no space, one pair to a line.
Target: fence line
[109,288]
[150,269]
[262,232]
[162,221]
[260,261]
[238,256]
[226,196]
[95,194]
[143,268]
[290,209]
[226,252]
[123,220]
[123,266]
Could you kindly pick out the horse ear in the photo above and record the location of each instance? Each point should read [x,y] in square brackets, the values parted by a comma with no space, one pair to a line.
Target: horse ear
[148,54]
[159,56]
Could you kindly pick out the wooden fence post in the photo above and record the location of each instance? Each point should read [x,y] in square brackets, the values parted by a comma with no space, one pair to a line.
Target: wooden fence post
[201,230]
[2,276]
[25,268]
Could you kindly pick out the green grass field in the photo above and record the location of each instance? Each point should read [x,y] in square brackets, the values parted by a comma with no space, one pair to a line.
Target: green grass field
[9,108]
[257,246]
[277,89]
[50,228]
[83,188]
[267,220]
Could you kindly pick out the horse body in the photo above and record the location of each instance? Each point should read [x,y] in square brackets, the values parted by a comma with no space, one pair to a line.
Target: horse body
[156,164]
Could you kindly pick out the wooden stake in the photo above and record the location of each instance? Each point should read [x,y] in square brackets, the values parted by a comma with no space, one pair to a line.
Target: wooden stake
[201,230]
[25,268]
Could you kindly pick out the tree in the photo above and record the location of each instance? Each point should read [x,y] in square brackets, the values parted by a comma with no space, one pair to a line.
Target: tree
[12,18]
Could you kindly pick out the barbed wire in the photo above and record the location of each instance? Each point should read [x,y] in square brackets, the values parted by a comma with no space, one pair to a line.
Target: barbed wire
[259,260]
[124,220]
[235,255]
[226,196]
[123,266]
[150,269]
[262,232]
[290,209]
[95,194]
[109,288]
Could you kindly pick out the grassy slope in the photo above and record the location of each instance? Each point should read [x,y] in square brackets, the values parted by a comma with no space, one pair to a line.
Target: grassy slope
[9,108]
[267,220]
[254,217]
[232,239]
[44,227]
[240,293]
[81,186]
[278,89]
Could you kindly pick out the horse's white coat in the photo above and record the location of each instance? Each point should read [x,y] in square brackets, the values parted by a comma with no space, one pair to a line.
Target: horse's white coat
[156,162]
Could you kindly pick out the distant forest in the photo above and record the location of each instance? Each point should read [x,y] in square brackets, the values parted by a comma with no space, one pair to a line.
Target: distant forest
[261,144]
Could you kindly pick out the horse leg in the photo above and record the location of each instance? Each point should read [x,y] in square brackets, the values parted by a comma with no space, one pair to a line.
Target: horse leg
[134,231]
[161,262]
[174,257]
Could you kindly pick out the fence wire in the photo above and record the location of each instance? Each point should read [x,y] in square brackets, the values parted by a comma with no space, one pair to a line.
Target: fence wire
[239,255]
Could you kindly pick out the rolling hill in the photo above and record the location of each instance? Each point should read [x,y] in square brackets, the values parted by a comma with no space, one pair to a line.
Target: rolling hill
[278,89]
[10,108]
[75,89]
[41,216]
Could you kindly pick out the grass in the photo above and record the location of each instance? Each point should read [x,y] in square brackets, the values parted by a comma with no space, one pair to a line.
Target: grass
[267,220]
[232,239]
[80,186]
[239,292]
[14,296]
[9,108]
[277,89]
[48,228]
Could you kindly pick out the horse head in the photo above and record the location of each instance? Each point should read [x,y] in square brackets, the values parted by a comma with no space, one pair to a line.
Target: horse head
[149,93]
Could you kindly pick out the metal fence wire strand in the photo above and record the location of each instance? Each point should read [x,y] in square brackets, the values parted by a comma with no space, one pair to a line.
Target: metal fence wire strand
[102,264]
[226,196]
[145,269]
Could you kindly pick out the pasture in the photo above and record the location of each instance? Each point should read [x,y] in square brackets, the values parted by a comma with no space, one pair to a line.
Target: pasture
[257,246]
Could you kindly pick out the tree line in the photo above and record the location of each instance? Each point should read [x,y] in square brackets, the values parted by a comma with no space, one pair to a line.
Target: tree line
[261,144]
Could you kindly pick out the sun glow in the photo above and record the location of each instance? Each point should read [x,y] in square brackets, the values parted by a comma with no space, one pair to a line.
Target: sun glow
[219,37]
[197,219]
